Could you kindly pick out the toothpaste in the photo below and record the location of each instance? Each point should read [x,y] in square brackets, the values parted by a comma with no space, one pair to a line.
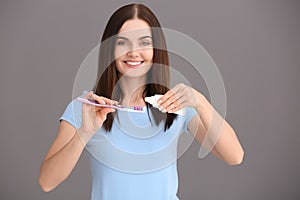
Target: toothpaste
[154,99]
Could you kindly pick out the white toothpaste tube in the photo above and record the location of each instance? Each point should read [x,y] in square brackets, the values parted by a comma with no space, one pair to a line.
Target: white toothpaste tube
[153,101]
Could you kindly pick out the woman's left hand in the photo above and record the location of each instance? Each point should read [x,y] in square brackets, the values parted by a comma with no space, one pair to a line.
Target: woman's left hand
[179,97]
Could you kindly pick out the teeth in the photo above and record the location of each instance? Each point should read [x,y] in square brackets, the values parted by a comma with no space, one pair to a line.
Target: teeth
[134,63]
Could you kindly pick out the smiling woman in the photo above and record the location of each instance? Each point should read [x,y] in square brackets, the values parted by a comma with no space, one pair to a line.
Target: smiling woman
[133,33]
[134,48]
[124,45]
[133,156]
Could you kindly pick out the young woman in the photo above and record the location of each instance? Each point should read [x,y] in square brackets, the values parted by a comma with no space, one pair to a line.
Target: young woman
[133,155]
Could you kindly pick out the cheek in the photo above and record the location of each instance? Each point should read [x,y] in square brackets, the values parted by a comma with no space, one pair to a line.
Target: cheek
[118,55]
[117,62]
[120,52]
[118,59]
[148,54]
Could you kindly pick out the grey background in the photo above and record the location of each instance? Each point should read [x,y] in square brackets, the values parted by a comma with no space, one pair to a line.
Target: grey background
[255,44]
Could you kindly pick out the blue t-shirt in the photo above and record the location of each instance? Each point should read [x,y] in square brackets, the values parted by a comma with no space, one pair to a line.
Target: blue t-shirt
[136,159]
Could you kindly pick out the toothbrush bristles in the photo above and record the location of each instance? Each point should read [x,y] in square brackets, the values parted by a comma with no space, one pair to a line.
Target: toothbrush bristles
[138,108]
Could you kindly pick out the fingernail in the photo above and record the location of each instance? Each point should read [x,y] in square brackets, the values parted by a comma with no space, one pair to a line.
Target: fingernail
[159,101]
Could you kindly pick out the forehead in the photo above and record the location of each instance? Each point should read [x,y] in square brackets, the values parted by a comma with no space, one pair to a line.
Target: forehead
[135,28]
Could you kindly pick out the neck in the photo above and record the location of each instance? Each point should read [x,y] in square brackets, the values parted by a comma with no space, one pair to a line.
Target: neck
[132,89]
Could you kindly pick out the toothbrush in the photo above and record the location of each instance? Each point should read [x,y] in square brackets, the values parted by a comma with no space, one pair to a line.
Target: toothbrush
[137,109]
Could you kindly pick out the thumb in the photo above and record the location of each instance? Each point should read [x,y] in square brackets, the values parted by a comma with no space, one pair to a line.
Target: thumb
[102,115]
[105,111]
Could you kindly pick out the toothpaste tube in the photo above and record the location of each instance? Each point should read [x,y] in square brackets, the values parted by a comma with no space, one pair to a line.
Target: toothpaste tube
[154,99]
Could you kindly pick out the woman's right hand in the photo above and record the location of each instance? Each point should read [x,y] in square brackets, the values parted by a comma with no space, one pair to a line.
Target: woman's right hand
[93,116]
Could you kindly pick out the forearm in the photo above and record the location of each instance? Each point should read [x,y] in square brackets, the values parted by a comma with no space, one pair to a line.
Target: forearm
[220,135]
[57,168]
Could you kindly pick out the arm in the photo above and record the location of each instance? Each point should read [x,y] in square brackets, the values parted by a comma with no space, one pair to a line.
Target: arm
[224,142]
[66,149]
[61,158]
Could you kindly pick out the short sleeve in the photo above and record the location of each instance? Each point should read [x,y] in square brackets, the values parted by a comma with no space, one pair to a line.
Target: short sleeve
[72,114]
[190,113]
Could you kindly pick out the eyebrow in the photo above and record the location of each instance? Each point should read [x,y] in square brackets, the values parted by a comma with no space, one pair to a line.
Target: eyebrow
[147,36]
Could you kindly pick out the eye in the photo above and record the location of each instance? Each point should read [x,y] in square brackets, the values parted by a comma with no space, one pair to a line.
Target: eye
[145,43]
[121,43]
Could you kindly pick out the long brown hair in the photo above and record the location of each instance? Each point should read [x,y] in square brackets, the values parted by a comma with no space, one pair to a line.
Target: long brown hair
[158,77]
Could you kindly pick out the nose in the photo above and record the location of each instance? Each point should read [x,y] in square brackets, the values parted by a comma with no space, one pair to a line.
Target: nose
[133,52]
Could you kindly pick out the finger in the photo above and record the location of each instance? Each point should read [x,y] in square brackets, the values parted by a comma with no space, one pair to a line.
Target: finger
[105,111]
[102,114]
[87,107]
[172,99]
[174,109]
[105,100]
[168,94]
[115,102]
[176,104]
[100,100]
[88,95]
[108,101]
[181,106]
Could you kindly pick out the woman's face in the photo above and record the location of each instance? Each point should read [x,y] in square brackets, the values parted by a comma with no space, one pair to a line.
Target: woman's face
[134,49]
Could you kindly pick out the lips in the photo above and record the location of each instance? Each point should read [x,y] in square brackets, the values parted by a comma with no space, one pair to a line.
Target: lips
[133,64]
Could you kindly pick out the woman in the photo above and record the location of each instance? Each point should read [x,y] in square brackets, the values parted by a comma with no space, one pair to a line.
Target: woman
[133,64]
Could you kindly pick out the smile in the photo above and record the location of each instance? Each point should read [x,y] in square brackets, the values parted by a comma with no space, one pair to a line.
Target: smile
[133,63]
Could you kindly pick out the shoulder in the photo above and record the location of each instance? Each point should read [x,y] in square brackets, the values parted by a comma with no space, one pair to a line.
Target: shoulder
[189,113]
[72,112]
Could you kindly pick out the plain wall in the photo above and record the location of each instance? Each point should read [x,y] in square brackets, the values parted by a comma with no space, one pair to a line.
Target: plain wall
[255,44]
